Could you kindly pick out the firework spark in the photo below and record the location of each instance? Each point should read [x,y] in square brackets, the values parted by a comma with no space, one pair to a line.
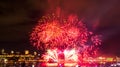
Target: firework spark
[65,34]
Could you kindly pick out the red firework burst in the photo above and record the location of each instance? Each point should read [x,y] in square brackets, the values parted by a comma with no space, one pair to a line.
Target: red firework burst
[66,33]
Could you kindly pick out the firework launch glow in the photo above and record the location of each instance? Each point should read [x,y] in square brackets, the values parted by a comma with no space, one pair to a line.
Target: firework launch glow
[67,35]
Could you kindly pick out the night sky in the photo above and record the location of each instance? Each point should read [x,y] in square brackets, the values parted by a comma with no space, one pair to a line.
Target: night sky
[18,17]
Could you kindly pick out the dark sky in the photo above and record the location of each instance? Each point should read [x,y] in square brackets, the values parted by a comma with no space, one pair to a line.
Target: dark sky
[18,17]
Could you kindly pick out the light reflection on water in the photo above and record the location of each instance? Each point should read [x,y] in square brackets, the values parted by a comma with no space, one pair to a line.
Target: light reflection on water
[42,64]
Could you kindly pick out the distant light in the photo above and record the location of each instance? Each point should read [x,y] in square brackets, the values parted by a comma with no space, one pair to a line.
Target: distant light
[113,65]
[118,64]
[3,50]
[5,60]
[35,53]
[26,51]
[38,54]
[109,59]
[33,65]
[12,52]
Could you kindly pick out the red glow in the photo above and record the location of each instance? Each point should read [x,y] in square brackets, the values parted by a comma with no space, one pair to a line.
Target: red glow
[64,35]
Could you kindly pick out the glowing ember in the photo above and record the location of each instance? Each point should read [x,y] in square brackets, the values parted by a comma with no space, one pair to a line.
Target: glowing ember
[66,35]
[51,55]
[71,55]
